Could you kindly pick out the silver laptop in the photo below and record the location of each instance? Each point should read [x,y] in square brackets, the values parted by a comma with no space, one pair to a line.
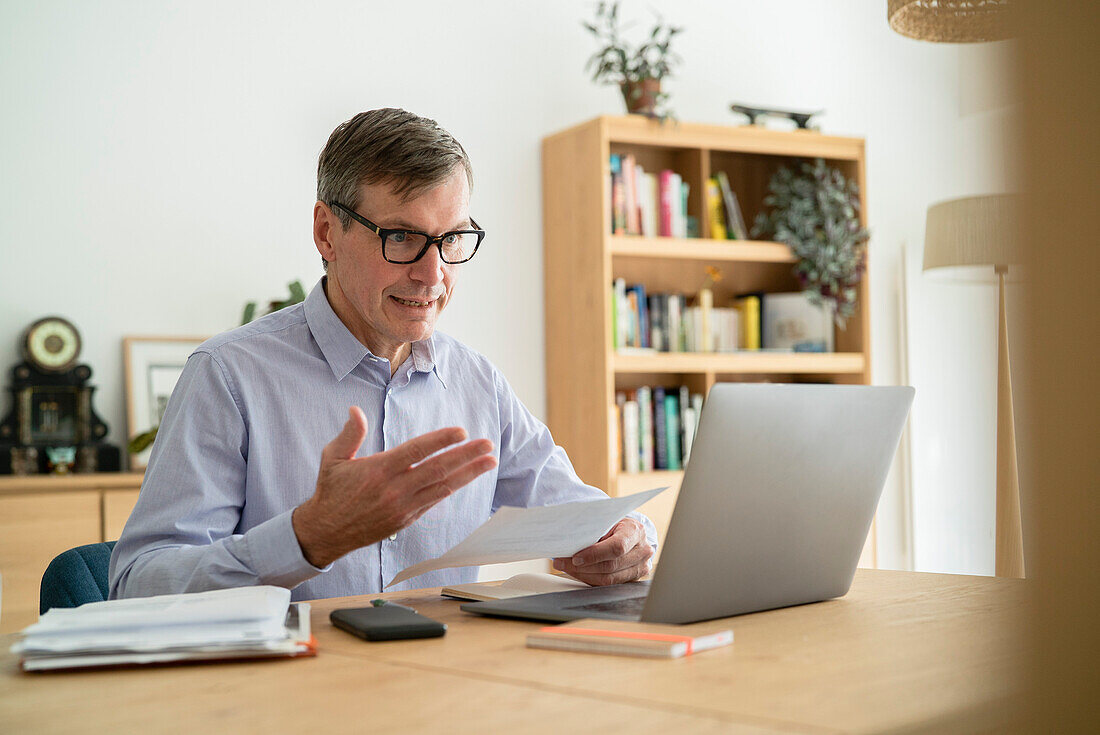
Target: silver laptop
[775,505]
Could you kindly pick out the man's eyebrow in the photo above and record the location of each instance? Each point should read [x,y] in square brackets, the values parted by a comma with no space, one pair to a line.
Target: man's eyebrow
[464,224]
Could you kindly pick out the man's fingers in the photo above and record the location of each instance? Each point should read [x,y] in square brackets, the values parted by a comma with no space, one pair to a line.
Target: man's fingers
[441,466]
[346,444]
[461,477]
[623,575]
[403,456]
[626,535]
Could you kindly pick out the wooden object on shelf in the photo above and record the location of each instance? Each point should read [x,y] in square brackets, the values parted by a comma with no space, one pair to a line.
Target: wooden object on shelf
[582,258]
[42,516]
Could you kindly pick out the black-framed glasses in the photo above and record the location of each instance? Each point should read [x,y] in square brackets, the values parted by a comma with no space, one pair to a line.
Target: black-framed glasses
[408,246]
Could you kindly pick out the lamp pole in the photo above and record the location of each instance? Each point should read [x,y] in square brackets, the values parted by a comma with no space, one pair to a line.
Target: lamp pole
[1010,545]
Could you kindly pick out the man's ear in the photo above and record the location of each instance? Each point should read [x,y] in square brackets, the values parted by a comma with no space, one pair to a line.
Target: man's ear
[325,225]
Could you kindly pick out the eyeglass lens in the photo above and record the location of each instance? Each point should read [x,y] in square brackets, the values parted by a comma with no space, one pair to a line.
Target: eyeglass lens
[403,247]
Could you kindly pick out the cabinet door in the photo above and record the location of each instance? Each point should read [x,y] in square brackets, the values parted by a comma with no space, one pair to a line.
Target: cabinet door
[117,505]
[34,528]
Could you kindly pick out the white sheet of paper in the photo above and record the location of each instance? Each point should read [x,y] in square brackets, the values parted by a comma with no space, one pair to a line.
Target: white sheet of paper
[544,532]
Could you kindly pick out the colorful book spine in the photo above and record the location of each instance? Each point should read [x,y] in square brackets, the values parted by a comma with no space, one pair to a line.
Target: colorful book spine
[650,205]
[630,194]
[735,226]
[675,325]
[660,430]
[631,454]
[685,190]
[667,200]
[643,316]
[672,429]
[622,317]
[685,407]
[705,339]
[657,329]
[715,213]
[749,309]
[645,411]
[618,202]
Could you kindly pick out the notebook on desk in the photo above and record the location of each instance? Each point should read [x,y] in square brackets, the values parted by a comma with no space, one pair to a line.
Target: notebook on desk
[773,510]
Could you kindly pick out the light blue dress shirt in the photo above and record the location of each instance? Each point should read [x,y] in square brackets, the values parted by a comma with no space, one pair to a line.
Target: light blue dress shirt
[240,445]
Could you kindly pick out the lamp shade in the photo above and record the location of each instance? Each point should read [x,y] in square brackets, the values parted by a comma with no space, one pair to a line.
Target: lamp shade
[971,231]
[951,21]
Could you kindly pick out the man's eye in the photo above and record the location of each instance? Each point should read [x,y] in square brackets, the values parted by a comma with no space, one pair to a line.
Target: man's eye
[399,236]
[450,239]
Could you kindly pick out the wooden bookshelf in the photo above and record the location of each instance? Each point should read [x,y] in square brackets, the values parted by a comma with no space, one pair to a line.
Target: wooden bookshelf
[582,259]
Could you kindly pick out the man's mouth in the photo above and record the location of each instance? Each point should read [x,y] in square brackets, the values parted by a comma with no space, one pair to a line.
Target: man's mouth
[410,302]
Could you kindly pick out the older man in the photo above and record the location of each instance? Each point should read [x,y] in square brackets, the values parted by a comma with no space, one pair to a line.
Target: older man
[329,445]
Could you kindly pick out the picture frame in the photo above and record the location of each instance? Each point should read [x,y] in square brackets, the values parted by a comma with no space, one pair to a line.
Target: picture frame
[790,321]
[152,367]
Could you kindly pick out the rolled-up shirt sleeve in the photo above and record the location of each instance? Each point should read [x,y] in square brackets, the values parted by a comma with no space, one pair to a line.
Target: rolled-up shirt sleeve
[533,469]
[184,535]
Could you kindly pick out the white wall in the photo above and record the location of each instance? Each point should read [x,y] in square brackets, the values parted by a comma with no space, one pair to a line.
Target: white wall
[157,166]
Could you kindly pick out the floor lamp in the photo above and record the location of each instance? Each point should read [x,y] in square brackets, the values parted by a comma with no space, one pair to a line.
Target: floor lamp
[980,233]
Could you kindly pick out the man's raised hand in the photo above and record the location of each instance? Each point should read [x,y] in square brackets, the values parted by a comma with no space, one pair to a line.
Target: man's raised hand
[359,501]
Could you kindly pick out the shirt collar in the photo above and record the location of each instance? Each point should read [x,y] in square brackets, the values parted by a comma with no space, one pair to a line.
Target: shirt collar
[339,346]
[424,354]
[343,351]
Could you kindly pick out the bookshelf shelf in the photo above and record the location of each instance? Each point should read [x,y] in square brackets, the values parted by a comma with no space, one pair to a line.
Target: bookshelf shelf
[582,260]
[833,363]
[674,248]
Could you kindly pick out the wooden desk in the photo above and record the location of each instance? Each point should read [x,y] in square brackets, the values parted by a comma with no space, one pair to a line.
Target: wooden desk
[901,652]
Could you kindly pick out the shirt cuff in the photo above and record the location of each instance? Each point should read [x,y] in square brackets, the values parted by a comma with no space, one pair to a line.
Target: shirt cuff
[650,529]
[277,556]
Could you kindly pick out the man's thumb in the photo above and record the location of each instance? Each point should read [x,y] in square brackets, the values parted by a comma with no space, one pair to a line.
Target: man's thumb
[347,442]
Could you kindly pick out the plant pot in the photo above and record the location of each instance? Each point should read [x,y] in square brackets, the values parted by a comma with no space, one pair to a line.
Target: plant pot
[641,96]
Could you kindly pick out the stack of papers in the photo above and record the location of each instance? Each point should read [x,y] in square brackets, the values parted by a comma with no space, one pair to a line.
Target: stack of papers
[244,622]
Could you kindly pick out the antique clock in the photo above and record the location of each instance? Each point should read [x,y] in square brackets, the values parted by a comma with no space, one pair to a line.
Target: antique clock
[52,426]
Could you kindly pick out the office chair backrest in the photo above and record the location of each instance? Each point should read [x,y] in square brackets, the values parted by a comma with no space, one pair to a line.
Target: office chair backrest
[76,576]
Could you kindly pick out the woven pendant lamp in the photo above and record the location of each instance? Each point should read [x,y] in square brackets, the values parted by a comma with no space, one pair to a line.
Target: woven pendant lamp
[951,21]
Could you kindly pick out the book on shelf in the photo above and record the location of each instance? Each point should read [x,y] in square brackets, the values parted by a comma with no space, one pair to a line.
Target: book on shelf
[644,396]
[660,434]
[622,317]
[735,221]
[716,216]
[686,225]
[748,307]
[668,183]
[241,622]
[650,205]
[631,436]
[672,428]
[675,323]
[658,318]
[630,196]
[663,427]
[628,638]
[519,585]
[618,196]
[704,338]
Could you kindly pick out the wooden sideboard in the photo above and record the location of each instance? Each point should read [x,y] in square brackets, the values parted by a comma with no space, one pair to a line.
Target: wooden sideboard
[42,516]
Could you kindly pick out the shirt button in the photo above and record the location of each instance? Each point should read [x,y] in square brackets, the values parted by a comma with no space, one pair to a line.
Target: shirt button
[393,537]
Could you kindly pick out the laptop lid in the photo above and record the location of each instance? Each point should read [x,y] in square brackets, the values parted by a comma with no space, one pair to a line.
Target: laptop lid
[774,508]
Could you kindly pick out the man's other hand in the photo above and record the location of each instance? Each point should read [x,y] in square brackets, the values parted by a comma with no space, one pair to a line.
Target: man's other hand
[622,555]
[359,501]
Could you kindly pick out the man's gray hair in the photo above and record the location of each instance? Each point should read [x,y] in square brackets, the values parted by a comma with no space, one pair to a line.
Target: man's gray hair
[388,146]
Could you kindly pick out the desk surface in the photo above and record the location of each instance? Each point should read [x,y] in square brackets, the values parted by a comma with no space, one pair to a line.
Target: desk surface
[901,651]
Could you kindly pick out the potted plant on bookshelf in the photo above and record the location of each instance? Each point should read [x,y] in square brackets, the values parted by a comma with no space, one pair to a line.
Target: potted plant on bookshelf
[815,211]
[637,71]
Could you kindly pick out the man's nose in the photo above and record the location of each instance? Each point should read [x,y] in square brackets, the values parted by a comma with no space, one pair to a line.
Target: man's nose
[429,269]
